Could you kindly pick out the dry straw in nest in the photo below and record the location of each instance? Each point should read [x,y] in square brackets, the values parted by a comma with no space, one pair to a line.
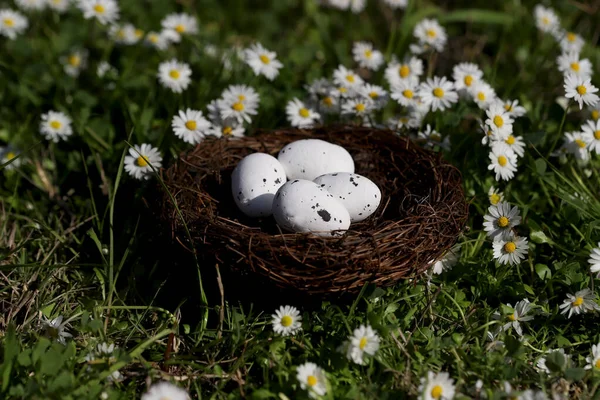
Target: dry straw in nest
[423,210]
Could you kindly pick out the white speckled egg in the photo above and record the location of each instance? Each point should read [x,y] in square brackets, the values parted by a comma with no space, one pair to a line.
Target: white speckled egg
[302,206]
[309,158]
[254,182]
[358,194]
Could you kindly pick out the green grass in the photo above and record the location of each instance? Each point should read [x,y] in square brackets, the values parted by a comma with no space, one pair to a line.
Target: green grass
[80,238]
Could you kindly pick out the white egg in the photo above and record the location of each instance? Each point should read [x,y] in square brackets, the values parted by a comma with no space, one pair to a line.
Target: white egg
[309,158]
[254,182]
[358,194]
[302,206]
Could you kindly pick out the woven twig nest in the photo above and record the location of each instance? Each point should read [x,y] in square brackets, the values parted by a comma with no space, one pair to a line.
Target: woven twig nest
[422,212]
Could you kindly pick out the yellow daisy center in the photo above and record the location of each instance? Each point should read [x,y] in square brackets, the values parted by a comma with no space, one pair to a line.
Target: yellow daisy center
[581,90]
[363,343]
[571,37]
[502,161]
[227,131]
[438,92]
[468,80]
[99,8]
[350,78]
[121,34]
[342,89]
[174,74]
[55,124]
[8,22]
[141,161]
[597,364]
[578,301]
[494,198]
[57,2]
[368,53]
[10,155]
[238,106]
[436,137]
[512,317]
[241,97]
[138,33]
[74,60]
[545,20]
[404,71]
[373,95]
[328,101]
[436,392]
[360,107]
[264,59]
[304,113]
[481,96]
[580,143]
[595,115]
[153,38]
[597,135]
[575,66]
[312,380]
[191,125]
[431,33]
[286,321]
[180,28]
[503,222]
[510,247]
[408,94]
[508,107]
[498,121]
[510,140]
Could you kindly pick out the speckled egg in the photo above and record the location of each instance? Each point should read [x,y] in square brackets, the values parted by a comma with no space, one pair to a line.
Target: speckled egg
[254,182]
[302,206]
[358,194]
[310,158]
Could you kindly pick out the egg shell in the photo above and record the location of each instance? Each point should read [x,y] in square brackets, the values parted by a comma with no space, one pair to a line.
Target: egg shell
[302,206]
[254,182]
[358,194]
[310,158]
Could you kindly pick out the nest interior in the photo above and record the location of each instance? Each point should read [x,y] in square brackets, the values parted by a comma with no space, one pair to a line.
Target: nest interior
[422,212]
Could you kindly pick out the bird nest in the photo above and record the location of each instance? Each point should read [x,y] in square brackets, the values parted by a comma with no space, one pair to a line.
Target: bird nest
[422,212]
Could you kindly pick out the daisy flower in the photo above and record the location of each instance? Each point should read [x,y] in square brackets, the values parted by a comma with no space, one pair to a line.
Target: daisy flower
[104,354]
[287,321]
[504,163]
[541,363]
[105,68]
[581,90]
[404,91]
[180,24]
[448,261]
[488,135]
[514,143]
[165,390]
[570,41]
[570,63]
[140,159]
[437,386]
[594,260]
[433,138]
[239,102]
[339,4]
[518,315]
[299,115]
[359,106]
[575,144]
[591,135]
[499,121]
[105,11]
[220,127]
[375,93]
[60,6]
[346,78]
[396,3]
[190,126]
[55,329]
[357,6]
[595,112]
[495,196]
[312,378]
[12,23]
[9,154]
[403,121]
[513,108]
[465,75]
[366,56]
[546,19]
[75,62]
[161,40]
[174,75]
[594,360]
[579,303]
[438,93]
[483,94]
[500,220]
[431,33]
[510,250]
[55,126]
[31,5]
[262,61]
[364,341]
[125,34]
[410,68]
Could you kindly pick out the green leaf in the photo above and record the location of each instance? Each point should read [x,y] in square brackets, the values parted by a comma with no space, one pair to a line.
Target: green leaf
[556,361]
[540,166]
[575,374]
[263,394]
[543,271]
[477,16]
[40,349]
